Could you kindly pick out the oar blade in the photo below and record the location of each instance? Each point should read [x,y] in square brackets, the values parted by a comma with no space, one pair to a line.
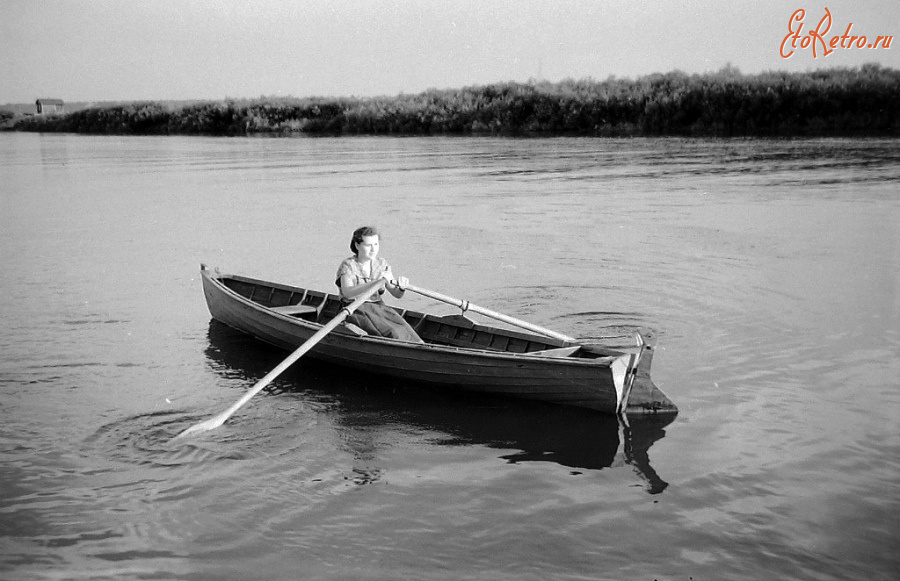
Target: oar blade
[204,426]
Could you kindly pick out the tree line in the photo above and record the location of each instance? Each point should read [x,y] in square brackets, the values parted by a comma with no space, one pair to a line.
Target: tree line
[859,101]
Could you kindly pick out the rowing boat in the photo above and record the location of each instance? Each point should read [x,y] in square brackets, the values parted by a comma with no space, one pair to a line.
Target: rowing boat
[457,352]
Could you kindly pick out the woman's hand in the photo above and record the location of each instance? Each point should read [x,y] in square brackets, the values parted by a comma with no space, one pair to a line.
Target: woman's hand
[387,275]
[396,285]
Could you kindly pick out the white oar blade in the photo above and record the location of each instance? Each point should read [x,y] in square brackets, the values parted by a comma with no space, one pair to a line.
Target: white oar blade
[204,426]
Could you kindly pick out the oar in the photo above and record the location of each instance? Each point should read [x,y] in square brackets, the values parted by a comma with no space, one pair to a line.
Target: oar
[467,306]
[220,419]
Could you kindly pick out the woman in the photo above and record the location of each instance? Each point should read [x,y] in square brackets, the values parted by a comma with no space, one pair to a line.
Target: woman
[362,272]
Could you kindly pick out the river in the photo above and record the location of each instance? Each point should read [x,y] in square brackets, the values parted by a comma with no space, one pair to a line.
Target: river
[768,269]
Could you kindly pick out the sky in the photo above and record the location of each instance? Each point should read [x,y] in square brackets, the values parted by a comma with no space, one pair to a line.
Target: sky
[125,50]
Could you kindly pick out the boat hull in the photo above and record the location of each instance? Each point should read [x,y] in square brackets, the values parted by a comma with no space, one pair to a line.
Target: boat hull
[601,381]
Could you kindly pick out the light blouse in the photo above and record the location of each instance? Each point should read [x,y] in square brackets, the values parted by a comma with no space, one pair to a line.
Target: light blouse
[350,266]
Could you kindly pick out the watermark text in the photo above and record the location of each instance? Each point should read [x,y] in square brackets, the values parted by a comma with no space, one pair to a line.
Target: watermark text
[819,42]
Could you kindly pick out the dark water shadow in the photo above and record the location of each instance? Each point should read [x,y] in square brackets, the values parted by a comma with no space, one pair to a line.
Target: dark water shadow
[365,404]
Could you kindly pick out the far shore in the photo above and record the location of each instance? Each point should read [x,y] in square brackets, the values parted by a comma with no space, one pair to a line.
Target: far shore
[835,102]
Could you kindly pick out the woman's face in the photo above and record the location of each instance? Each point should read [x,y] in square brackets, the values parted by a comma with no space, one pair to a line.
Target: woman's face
[368,248]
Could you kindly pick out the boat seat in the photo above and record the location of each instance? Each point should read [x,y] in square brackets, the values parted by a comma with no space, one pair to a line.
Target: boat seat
[295,310]
[557,352]
[351,329]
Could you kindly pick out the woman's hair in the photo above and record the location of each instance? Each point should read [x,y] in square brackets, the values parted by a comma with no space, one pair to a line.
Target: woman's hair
[358,235]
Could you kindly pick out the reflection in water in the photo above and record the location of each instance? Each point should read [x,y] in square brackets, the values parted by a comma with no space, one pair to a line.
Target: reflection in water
[366,406]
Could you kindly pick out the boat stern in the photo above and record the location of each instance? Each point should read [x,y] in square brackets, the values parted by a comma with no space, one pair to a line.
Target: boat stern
[641,395]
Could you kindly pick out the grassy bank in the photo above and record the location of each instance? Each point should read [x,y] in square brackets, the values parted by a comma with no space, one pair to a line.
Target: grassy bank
[836,102]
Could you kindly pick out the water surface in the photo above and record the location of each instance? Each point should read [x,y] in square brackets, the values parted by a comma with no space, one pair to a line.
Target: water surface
[768,269]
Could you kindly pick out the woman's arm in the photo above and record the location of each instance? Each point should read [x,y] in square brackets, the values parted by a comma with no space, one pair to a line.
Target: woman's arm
[351,291]
[394,285]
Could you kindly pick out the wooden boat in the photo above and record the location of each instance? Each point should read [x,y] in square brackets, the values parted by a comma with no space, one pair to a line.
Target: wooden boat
[457,353]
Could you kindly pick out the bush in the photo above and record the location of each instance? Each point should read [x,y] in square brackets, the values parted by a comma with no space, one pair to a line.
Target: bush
[858,101]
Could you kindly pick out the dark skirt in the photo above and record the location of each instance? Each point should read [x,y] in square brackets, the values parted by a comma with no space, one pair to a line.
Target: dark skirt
[383,321]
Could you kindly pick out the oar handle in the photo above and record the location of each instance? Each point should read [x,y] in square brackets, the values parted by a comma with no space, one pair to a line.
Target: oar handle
[467,306]
[220,419]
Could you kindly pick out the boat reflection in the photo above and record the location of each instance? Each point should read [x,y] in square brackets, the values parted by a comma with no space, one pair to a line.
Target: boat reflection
[525,431]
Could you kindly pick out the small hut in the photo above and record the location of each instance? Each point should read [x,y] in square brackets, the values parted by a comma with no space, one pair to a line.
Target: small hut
[48,106]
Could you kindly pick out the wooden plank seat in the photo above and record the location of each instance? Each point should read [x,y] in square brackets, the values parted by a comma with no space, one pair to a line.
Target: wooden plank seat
[558,352]
[350,329]
[294,310]
[303,310]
